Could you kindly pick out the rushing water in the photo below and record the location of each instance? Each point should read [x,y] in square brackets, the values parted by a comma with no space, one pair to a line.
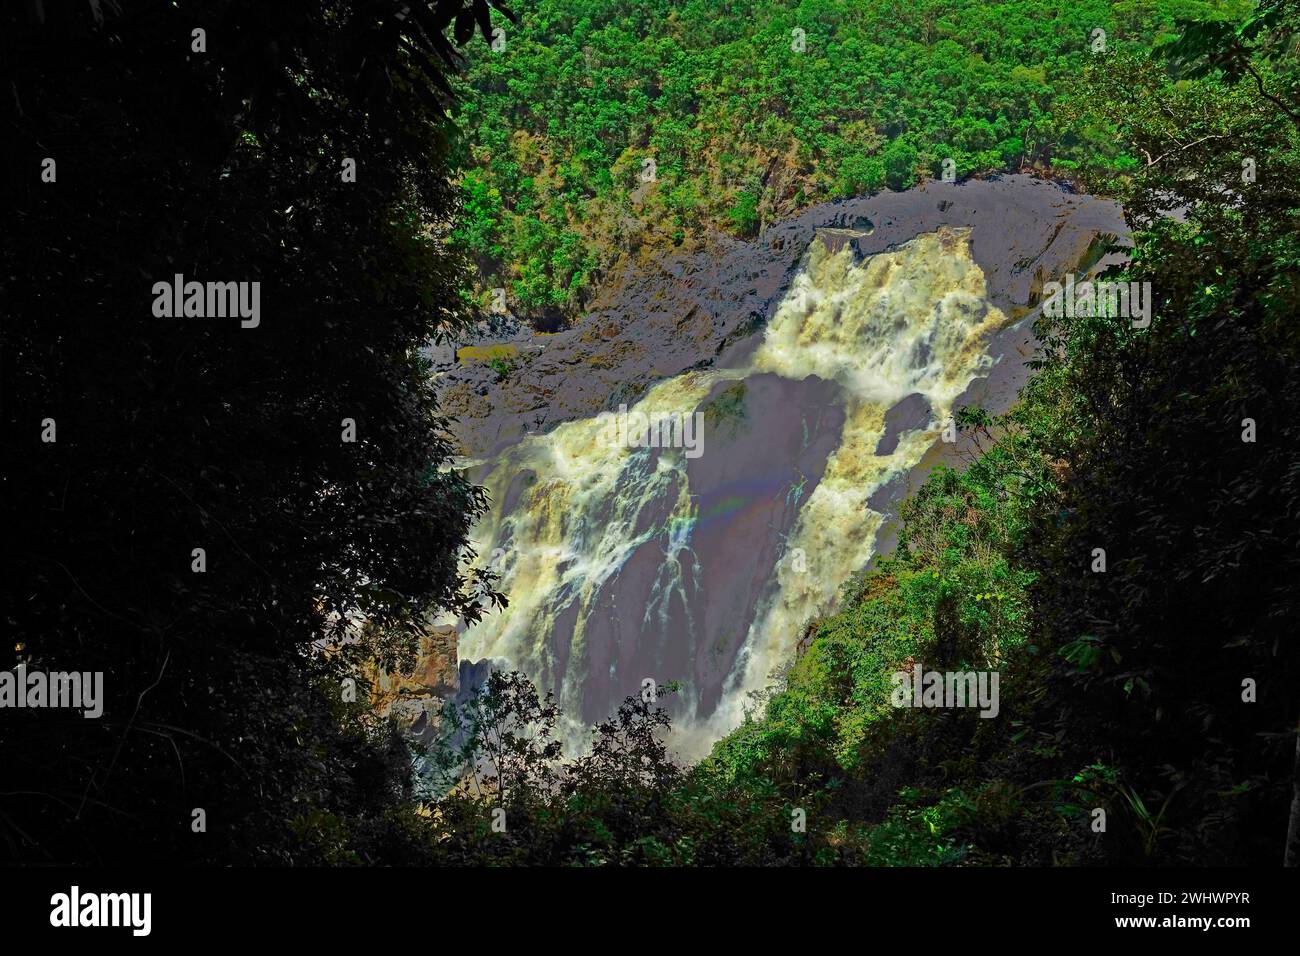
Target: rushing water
[625,563]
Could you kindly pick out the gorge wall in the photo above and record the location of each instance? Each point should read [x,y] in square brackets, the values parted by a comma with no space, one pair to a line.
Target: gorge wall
[821,359]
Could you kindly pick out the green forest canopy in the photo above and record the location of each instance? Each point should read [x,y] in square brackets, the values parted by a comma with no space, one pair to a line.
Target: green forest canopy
[562,119]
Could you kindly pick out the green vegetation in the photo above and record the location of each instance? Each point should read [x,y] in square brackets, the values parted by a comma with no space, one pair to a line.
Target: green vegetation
[561,124]
[502,359]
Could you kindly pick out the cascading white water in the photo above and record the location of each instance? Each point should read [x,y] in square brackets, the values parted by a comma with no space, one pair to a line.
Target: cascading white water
[571,508]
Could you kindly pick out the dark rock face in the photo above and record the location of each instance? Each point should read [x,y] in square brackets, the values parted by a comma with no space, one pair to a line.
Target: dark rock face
[908,415]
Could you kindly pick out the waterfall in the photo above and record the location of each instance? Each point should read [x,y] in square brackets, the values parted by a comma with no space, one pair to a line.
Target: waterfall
[625,563]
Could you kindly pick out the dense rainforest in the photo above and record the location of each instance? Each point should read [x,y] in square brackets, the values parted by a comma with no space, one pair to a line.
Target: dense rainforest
[1125,548]
[601,127]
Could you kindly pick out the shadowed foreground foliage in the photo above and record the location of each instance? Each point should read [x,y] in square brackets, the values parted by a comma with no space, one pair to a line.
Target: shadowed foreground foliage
[184,433]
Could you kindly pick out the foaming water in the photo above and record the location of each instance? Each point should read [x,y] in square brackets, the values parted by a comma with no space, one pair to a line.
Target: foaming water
[601,548]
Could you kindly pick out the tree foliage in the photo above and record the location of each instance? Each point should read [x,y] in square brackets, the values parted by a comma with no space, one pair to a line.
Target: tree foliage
[751,110]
